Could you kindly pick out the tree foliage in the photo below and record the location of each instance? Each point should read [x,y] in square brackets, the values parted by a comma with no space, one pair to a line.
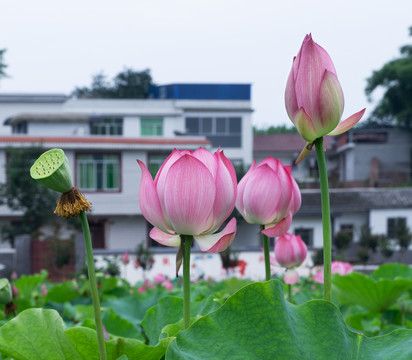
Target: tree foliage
[128,84]
[2,64]
[280,129]
[22,193]
[395,77]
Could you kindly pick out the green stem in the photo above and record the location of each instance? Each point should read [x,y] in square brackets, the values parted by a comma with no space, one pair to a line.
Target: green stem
[93,286]
[327,234]
[289,292]
[267,255]
[187,239]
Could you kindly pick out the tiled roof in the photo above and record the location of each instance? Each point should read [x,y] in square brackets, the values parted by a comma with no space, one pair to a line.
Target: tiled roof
[356,200]
[283,142]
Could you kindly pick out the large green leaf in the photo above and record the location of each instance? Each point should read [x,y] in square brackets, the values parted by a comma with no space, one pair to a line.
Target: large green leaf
[118,326]
[258,323]
[392,271]
[375,295]
[29,285]
[169,310]
[63,292]
[38,334]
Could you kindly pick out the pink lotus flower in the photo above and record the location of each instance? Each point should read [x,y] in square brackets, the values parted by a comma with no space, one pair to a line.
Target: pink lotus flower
[159,278]
[269,195]
[290,251]
[168,284]
[314,98]
[193,194]
[126,258]
[338,267]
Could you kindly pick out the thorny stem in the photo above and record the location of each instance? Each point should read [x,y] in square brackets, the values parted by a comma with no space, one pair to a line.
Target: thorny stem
[93,286]
[327,235]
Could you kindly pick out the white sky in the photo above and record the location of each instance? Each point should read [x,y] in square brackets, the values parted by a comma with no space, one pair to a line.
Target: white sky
[54,46]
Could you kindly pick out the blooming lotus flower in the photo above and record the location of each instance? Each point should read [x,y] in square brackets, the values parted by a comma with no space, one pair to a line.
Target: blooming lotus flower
[193,194]
[338,267]
[314,98]
[290,251]
[268,195]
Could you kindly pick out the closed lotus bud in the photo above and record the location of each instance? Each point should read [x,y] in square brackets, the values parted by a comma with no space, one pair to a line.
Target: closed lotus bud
[313,97]
[290,251]
[268,195]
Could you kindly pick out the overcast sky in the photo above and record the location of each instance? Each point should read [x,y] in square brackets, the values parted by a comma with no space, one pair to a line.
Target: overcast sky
[54,46]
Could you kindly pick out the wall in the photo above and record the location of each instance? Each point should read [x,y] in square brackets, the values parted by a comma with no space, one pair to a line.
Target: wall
[58,128]
[357,219]
[313,223]
[125,232]
[378,219]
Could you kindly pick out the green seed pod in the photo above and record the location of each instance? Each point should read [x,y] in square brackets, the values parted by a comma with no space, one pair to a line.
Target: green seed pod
[52,170]
[5,292]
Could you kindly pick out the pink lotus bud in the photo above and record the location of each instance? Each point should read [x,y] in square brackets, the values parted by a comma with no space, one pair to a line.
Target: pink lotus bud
[290,251]
[126,258]
[314,98]
[159,278]
[44,292]
[193,194]
[168,285]
[13,275]
[269,195]
[15,292]
[141,289]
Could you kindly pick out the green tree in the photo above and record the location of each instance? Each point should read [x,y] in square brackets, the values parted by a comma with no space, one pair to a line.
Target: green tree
[404,237]
[128,84]
[395,77]
[280,129]
[22,193]
[342,241]
[2,64]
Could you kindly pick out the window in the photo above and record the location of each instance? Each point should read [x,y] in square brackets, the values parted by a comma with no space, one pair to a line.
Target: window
[306,234]
[221,131]
[98,172]
[151,126]
[19,128]
[106,126]
[155,162]
[393,225]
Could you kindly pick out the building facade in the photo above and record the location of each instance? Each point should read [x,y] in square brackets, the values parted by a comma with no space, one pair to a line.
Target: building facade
[103,138]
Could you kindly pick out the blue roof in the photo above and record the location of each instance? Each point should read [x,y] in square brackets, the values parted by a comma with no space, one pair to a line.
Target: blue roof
[201,92]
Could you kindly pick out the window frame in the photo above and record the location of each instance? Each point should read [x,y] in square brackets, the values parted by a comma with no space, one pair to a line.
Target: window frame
[108,123]
[311,231]
[150,123]
[95,189]
[391,229]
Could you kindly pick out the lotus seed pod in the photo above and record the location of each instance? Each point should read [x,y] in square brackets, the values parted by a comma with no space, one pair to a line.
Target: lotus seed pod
[5,292]
[52,170]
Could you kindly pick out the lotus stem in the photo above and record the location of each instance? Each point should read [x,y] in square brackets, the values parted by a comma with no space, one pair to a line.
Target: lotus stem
[326,223]
[265,239]
[93,286]
[187,239]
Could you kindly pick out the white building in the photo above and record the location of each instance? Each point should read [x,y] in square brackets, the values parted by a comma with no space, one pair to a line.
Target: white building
[103,138]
